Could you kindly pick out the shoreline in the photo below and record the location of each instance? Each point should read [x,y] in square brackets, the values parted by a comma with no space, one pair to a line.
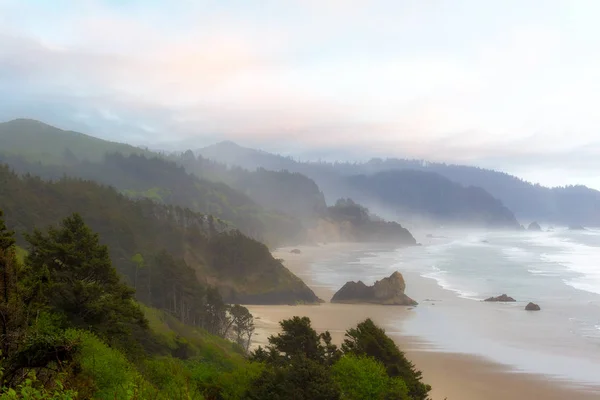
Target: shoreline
[452,375]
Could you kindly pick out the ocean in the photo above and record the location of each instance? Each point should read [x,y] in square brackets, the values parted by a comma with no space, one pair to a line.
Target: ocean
[454,270]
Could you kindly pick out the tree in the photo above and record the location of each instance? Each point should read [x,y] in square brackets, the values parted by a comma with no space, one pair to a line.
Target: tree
[365,378]
[215,312]
[242,324]
[8,282]
[299,339]
[74,277]
[138,261]
[304,379]
[367,339]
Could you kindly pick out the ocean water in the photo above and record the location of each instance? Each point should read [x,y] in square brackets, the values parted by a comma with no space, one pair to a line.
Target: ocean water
[455,270]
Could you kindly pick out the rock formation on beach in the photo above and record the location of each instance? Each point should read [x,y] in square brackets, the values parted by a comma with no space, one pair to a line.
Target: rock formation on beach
[388,291]
[502,298]
[532,307]
[576,228]
[534,227]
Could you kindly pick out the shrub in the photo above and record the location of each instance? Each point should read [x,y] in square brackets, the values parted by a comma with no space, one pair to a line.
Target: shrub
[365,378]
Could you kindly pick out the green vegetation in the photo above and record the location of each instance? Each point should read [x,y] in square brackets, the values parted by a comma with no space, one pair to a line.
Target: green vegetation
[301,364]
[71,330]
[178,246]
[37,141]
[35,148]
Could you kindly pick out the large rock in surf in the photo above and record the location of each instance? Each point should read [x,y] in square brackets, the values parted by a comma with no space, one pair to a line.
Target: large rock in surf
[535,227]
[532,307]
[576,228]
[502,298]
[388,291]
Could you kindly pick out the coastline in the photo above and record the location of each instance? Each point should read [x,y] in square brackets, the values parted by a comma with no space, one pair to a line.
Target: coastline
[451,375]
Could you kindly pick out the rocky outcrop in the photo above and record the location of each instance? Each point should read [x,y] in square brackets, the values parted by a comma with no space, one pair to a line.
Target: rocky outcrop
[388,291]
[576,228]
[295,251]
[502,298]
[534,227]
[532,307]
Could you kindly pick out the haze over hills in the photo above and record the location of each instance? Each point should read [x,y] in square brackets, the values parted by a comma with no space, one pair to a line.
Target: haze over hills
[275,207]
[570,205]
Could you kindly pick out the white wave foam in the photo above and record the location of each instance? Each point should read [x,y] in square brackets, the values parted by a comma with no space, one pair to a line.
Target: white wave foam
[517,254]
[441,277]
[539,272]
[575,257]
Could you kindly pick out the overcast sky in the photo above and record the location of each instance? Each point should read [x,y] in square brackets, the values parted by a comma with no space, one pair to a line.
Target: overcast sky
[513,85]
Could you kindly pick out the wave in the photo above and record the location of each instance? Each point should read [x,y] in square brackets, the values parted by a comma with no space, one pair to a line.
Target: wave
[539,272]
[578,258]
[441,277]
[517,254]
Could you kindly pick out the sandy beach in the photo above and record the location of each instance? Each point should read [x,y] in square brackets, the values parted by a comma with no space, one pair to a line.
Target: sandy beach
[453,376]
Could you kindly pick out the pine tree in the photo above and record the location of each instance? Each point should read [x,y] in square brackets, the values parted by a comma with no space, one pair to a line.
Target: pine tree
[76,278]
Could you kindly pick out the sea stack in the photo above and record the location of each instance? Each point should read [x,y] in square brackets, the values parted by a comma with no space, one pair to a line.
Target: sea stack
[388,291]
[503,298]
[534,227]
[532,307]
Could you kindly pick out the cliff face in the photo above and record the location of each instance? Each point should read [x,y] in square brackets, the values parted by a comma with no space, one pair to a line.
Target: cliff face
[388,291]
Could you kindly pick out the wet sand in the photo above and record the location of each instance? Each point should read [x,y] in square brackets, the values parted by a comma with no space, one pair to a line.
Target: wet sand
[453,376]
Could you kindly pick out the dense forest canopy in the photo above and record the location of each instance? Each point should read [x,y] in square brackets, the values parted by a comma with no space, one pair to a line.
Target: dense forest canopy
[130,227]
[71,329]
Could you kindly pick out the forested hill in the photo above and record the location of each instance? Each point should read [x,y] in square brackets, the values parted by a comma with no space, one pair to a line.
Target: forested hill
[288,192]
[414,195]
[242,268]
[409,196]
[571,205]
[41,142]
[141,176]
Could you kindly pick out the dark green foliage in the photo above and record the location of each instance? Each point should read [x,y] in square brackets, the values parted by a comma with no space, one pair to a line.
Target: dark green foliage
[73,275]
[130,227]
[299,340]
[367,339]
[153,177]
[304,379]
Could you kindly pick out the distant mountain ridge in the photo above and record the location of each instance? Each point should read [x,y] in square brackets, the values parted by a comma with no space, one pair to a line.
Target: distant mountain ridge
[571,205]
[420,197]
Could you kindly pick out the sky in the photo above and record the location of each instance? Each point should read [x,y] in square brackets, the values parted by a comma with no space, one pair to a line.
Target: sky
[509,85]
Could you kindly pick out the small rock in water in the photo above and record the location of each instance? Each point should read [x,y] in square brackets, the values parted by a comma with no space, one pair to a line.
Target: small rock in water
[532,307]
[502,298]
[296,251]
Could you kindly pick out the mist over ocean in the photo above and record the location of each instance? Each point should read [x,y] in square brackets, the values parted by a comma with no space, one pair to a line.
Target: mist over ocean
[455,270]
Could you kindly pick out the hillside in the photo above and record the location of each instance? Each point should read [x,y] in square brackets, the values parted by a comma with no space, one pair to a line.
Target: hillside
[416,197]
[242,268]
[347,221]
[37,141]
[570,205]
[283,191]
[33,147]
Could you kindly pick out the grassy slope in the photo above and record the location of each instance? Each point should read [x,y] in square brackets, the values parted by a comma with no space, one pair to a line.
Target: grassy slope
[41,142]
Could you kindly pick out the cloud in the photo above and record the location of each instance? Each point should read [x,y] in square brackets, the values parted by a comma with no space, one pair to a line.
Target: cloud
[503,84]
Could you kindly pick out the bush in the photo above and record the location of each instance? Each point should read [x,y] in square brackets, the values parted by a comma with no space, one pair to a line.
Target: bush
[365,378]
[112,374]
[28,391]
